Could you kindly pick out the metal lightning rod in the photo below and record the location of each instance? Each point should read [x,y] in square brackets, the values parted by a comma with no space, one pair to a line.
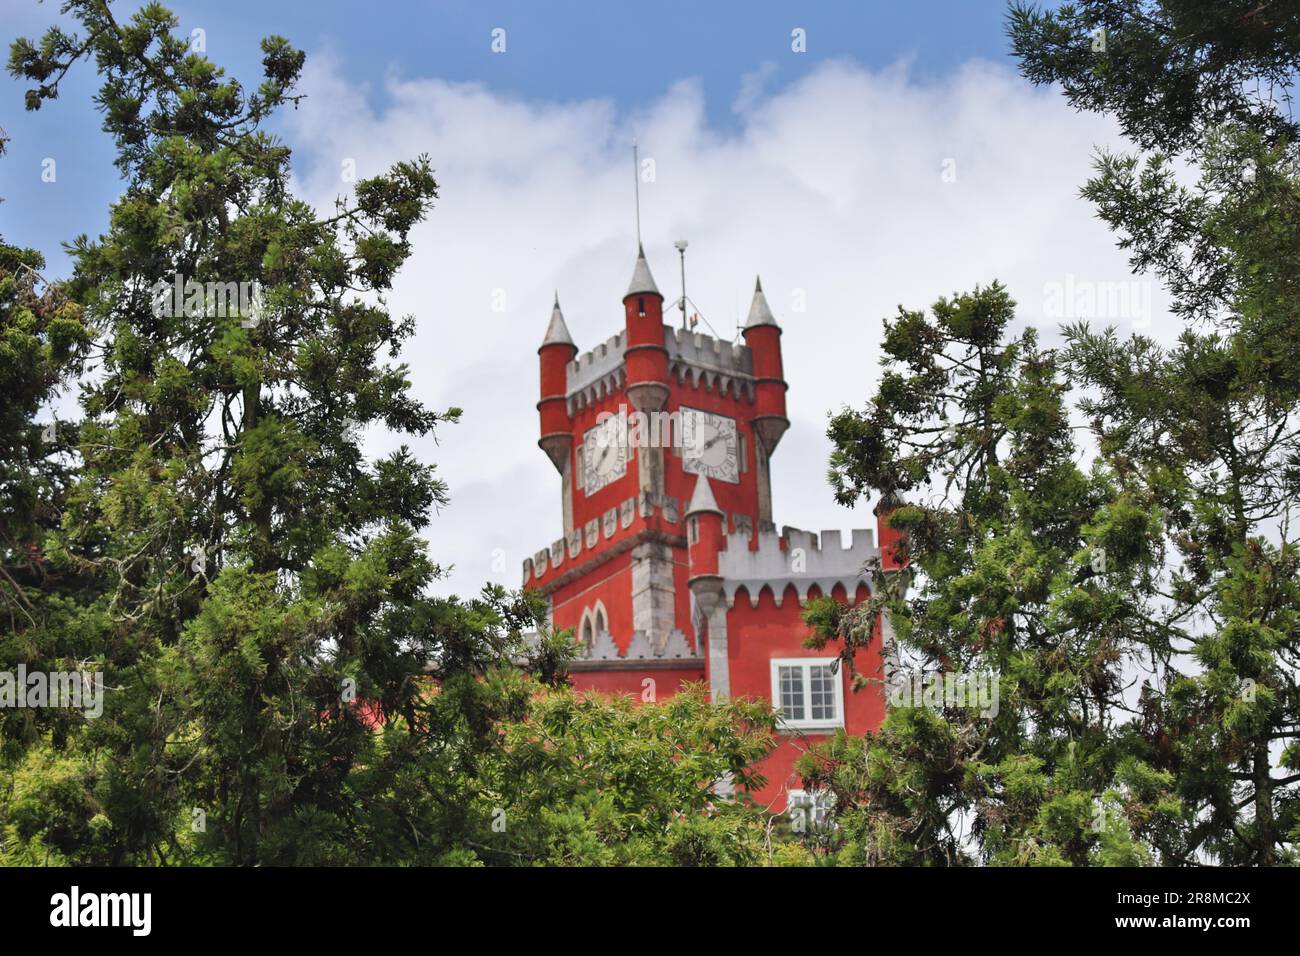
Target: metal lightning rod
[681,249]
[636,177]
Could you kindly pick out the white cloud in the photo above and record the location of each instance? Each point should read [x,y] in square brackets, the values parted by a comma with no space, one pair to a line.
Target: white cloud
[831,186]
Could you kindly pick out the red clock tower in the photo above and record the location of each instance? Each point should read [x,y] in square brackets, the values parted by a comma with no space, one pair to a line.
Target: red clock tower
[671,568]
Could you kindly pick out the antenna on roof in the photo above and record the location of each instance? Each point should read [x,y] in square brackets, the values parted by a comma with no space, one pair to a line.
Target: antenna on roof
[681,245]
[636,175]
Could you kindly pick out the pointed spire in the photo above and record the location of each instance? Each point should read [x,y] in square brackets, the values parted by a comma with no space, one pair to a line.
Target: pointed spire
[642,280]
[702,499]
[557,333]
[759,311]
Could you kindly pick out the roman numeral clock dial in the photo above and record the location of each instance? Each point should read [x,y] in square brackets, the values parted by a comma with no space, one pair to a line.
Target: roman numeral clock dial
[710,445]
[604,456]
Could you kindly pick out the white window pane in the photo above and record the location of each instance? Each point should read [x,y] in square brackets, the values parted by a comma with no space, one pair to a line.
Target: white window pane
[791,693]
[821,692]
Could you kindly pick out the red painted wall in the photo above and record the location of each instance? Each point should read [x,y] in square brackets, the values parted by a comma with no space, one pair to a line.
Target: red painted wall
[611,584]
[667,682]
[757,635]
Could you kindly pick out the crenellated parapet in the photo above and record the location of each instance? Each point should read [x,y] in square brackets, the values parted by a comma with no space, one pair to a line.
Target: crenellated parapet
[617,524]
[595,374]
[796,558]
[694,358]
[719,366]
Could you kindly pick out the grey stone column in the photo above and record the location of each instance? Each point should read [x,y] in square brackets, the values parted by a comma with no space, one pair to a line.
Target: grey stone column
[713,604]
[653,609]
[763,478]
[566,491]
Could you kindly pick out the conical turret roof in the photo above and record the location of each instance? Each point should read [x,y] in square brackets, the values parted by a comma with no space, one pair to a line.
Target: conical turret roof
[702,499]
[760,313]
[642,280]
[557,333]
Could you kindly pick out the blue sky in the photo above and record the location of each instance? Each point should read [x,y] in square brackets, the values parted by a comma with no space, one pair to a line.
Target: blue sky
[629,53]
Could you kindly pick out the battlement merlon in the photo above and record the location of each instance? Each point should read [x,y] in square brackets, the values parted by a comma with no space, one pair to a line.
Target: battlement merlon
[590,366]
[697,350]
[692,356]
[797,558]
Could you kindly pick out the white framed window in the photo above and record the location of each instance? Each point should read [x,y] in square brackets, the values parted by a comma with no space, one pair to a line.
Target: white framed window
[808,692]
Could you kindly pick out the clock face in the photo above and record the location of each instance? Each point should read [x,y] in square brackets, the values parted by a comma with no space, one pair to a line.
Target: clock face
[710,445]
[604,455]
